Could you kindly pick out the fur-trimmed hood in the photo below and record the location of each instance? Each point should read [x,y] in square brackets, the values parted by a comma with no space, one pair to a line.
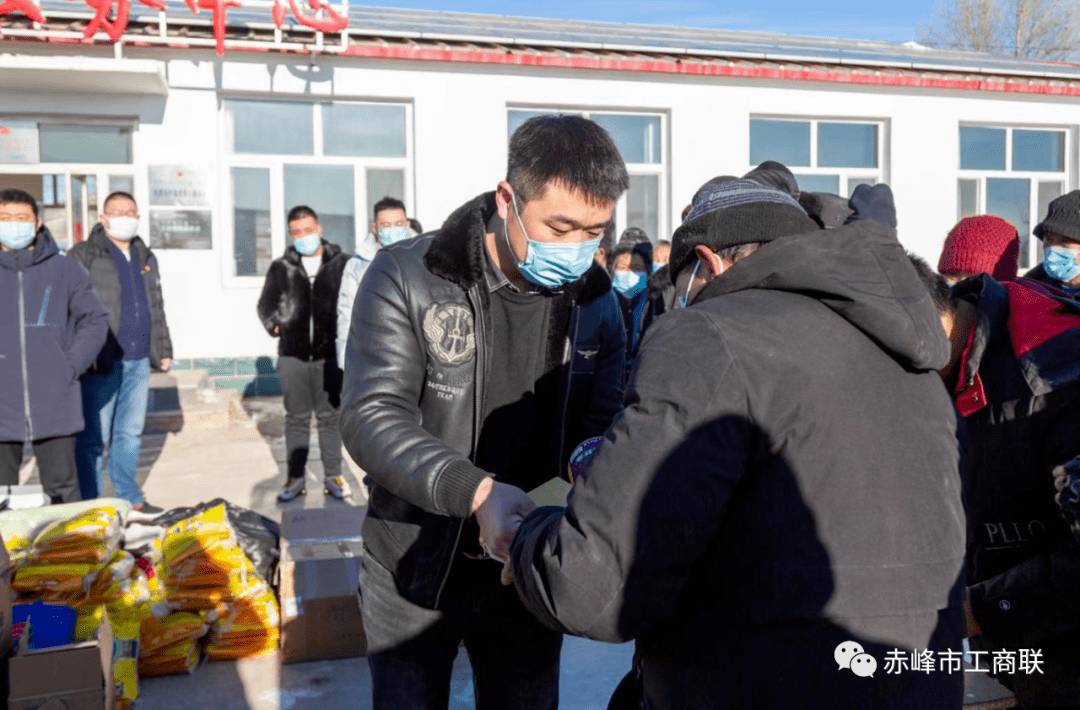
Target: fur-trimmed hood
[456,253]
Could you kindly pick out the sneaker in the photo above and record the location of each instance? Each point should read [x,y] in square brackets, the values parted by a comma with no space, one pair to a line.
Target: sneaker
[294,488]
[148,509]
[337,487]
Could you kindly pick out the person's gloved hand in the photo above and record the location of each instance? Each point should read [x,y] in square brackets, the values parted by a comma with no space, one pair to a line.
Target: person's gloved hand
[499,517]
[873,202]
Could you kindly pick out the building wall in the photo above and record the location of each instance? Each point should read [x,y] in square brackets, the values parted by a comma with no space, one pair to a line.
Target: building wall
[459,140]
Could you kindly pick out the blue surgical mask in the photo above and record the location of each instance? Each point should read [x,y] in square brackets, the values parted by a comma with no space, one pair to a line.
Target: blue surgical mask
[1060,263]
[629,283]
[17,235]
[393,235]
[553,265]
[308,245]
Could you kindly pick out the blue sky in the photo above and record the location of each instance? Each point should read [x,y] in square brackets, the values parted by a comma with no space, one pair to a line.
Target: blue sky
[889,21]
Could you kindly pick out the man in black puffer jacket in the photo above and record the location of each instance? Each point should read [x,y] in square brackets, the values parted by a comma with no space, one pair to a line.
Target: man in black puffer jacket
[116,390]
[782,489]
[298,305]
[1015,376]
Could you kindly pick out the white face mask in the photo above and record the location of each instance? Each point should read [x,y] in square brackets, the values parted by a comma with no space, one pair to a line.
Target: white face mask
[123,228]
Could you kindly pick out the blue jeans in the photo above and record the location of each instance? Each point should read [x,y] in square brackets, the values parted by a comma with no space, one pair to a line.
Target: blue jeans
[114,407]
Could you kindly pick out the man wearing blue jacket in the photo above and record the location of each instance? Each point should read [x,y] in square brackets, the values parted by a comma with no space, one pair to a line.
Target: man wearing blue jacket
[50,332]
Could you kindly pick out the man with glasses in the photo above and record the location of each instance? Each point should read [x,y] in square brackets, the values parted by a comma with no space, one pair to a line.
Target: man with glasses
[125,275]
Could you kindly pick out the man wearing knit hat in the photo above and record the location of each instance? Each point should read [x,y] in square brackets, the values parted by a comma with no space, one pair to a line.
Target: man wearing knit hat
[778,509]
[1060,235]
[985,244]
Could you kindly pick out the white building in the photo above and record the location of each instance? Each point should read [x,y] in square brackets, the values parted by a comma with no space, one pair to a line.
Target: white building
[217,145]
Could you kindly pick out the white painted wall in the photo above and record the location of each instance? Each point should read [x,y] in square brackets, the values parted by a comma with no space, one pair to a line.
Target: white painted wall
[459,145]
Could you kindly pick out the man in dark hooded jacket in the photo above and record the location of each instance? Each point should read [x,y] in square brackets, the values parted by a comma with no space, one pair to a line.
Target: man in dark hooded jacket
[1015,375]
[781,494]
[51,329]
[1060,235]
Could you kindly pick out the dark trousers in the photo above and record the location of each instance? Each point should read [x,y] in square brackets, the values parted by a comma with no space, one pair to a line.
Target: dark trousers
[308,387]
[411,650]
[56,465]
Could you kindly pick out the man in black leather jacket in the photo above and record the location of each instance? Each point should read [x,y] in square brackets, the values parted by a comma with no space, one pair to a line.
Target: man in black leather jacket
[488,349]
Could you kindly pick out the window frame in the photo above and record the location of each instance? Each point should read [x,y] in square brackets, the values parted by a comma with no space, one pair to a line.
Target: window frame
[276,164]
[1032,253]
[660,169]
[878,174]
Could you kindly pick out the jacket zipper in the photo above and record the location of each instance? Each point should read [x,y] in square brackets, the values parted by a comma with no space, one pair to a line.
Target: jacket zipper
[568,360]
[478,414]
[25,374]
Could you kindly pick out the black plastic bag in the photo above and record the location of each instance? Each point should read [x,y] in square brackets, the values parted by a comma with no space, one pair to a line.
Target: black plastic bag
[257,534]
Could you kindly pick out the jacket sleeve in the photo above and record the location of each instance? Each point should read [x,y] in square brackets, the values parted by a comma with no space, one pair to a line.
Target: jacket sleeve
[607,393]
[90,320]
[1040,598]
[610,565]
[270,298]
[380,414]
[350,284]
[162,334]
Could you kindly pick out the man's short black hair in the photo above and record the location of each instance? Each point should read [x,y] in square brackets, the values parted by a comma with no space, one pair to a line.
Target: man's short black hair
[386,203]
[116,195]
[570,150]
[940,291]
[12,196]
[301,211]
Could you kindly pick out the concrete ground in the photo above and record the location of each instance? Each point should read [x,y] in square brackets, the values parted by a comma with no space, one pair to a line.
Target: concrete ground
[244,462]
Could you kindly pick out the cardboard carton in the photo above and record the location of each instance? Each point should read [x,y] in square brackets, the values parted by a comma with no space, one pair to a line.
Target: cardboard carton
[73,677]
[5,619]
[317,584]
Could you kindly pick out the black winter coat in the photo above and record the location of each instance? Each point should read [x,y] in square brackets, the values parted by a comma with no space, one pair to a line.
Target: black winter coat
[52,325]
[1019,391]
[783,479]
[95,255]
[289,302]
[413,401]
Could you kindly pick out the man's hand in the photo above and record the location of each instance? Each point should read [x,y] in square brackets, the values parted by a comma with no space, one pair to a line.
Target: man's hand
[499,515]
[277,330]
[166,363]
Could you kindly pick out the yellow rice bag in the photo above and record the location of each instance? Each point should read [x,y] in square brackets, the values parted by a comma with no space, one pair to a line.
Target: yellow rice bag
[125,618]
[88,622]
[181,658]
[55,578]
[157,635]
[94,532]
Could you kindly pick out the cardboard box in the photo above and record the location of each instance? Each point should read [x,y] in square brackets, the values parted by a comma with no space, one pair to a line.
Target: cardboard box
[317,584]
[73,677]
[5,602]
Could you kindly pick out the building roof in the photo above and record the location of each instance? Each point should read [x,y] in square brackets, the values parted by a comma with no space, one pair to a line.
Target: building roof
[422,35]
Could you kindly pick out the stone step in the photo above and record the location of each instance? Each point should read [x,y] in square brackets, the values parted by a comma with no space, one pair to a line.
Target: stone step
[186,399]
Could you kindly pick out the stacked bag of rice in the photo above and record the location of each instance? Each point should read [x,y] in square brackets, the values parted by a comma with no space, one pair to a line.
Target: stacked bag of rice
[207,573]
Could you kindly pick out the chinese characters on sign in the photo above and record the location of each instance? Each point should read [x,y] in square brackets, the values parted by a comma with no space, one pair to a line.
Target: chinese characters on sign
[1025,660]
[180,186]
[332,22]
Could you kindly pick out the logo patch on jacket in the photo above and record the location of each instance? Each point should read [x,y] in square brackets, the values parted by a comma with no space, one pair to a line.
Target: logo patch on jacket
[451,337]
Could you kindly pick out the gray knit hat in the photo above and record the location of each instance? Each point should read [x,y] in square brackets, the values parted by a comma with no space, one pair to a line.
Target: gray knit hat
[1062,217]
[761,206]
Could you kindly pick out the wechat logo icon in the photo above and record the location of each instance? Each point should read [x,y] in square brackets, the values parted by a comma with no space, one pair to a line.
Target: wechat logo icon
[851,656]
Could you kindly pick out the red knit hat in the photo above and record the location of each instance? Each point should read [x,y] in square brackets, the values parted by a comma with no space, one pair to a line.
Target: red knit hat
[986,244]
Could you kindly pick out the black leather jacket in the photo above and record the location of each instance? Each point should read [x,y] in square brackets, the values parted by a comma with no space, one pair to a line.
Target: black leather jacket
[417,364]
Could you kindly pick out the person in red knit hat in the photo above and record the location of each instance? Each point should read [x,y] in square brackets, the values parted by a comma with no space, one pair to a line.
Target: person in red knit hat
[985,244]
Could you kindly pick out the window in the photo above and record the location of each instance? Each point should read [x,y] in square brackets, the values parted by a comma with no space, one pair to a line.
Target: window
[339,158]
[1013,173]
[640,139]
[84,143]
[825,156]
